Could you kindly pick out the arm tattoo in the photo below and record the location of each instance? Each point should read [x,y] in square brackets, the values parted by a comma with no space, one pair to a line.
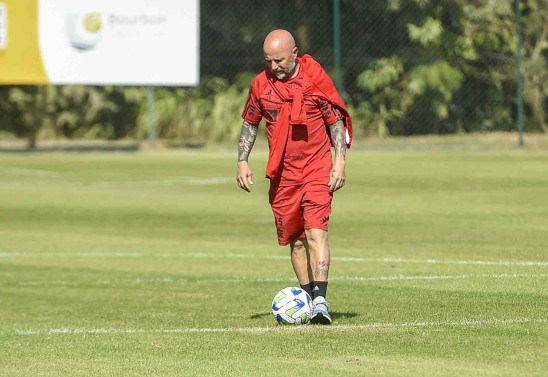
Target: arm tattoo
[248,134]
[337,130]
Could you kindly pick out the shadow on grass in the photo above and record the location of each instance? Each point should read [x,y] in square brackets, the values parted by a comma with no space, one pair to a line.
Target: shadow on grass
[259,315]
[334,315]
[343,315]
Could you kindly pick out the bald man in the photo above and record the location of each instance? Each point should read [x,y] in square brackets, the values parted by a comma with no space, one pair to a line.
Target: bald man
[305,117]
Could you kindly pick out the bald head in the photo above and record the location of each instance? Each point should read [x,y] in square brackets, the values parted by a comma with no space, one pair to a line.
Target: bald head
[280,54]
[279,39]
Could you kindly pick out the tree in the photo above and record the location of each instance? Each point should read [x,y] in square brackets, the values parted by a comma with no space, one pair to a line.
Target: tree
[535,70]
[452,54]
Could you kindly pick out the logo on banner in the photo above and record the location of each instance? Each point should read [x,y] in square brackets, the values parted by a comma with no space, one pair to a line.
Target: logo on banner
[3,26]
[84,30]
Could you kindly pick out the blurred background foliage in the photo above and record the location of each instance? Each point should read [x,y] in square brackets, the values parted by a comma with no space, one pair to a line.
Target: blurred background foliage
[408,67]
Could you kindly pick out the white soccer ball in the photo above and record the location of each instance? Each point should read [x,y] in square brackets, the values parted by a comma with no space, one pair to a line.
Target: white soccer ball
[292,306]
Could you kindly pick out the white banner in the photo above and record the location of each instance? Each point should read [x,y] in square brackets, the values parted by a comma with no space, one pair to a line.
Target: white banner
[105,42]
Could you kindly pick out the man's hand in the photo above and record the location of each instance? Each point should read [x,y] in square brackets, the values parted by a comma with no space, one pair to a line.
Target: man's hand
[337,177]
[244,176]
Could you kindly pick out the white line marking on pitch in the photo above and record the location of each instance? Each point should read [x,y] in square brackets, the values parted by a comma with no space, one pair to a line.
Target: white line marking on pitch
[29,172]
[335,327]
[91,254]
[173,181]
[439,277]
[170,280]
[438,261]
[386,278]
[116,254]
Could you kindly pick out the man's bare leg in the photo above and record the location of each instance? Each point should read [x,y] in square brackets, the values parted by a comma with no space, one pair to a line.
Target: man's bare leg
[320,258]
[300,259]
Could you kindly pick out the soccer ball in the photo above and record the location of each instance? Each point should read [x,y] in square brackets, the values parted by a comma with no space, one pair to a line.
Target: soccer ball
[292,306]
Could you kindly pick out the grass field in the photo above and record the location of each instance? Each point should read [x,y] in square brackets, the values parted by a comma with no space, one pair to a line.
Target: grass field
[155,264]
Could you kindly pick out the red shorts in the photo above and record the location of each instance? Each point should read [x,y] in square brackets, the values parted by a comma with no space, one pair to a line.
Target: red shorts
[300,207]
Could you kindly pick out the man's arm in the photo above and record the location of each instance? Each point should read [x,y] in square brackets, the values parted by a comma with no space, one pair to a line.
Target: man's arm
[337,176]
[248,134]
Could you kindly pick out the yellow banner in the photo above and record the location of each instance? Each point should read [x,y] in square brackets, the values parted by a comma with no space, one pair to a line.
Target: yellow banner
[20,57]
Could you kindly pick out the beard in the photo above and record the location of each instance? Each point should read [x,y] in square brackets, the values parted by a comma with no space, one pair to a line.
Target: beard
[285,73]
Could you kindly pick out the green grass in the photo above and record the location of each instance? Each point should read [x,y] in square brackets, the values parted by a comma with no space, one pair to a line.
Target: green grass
[156,264]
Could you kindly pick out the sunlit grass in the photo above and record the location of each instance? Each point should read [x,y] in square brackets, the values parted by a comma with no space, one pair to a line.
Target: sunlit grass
[155,263]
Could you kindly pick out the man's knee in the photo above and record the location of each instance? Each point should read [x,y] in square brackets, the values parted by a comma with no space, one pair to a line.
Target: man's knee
[298,246]
[316,237]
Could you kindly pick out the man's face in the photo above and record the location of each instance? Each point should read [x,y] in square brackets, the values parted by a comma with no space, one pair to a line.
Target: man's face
[281,63]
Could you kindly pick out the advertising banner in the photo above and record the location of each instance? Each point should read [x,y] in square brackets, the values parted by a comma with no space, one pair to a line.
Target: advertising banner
[103,42]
